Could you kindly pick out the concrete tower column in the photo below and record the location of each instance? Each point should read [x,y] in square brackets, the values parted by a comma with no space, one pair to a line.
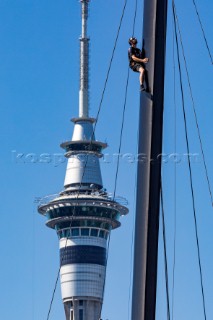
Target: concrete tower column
[83,213]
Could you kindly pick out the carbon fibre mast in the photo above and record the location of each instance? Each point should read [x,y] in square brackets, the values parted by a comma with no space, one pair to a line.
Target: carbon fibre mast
[149,165]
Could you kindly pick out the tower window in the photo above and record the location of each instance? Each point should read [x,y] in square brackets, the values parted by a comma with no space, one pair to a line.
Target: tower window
[101,234]
[75,232]
[81,314]
[85,231]
[94,232]
[81,302]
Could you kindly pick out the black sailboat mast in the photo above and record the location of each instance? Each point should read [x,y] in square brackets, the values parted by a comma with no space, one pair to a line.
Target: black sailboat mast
[149,163]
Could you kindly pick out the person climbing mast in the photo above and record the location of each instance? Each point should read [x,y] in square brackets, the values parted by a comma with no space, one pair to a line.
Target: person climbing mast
[136,62]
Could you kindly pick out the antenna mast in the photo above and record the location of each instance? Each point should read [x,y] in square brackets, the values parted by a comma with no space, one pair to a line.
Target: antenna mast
[84,63]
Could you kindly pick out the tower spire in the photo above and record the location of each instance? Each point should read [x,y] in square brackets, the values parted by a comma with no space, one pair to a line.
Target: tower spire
[84,63]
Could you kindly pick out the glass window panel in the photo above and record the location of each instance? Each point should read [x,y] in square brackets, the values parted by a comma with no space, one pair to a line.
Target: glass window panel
[85,231]
[94,232]
[75,232]
[101,234]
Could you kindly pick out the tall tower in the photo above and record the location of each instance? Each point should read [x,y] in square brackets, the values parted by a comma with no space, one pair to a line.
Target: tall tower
[83,214]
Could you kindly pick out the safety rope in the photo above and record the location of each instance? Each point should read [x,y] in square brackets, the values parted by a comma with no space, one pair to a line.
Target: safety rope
[189,163]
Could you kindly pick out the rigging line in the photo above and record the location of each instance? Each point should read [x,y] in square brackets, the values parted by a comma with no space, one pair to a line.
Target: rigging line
[97,117]
[194,110]
[118,162]
[165,252]
[59,269]
[58,275]
[110,65]
[33,258]
[175,177]
[52,299]
[120,144]
[136,8]
[202,28]
[189,165]
[132,240]
[131,257]
[121,134]
[133,221]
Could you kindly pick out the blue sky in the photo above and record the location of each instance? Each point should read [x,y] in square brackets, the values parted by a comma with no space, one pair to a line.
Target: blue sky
[39,81]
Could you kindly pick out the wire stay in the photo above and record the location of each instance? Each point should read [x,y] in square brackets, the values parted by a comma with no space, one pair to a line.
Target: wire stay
[194,109]
[189,163]
[165,252]
[120,144]
[175,179]
[203,32]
